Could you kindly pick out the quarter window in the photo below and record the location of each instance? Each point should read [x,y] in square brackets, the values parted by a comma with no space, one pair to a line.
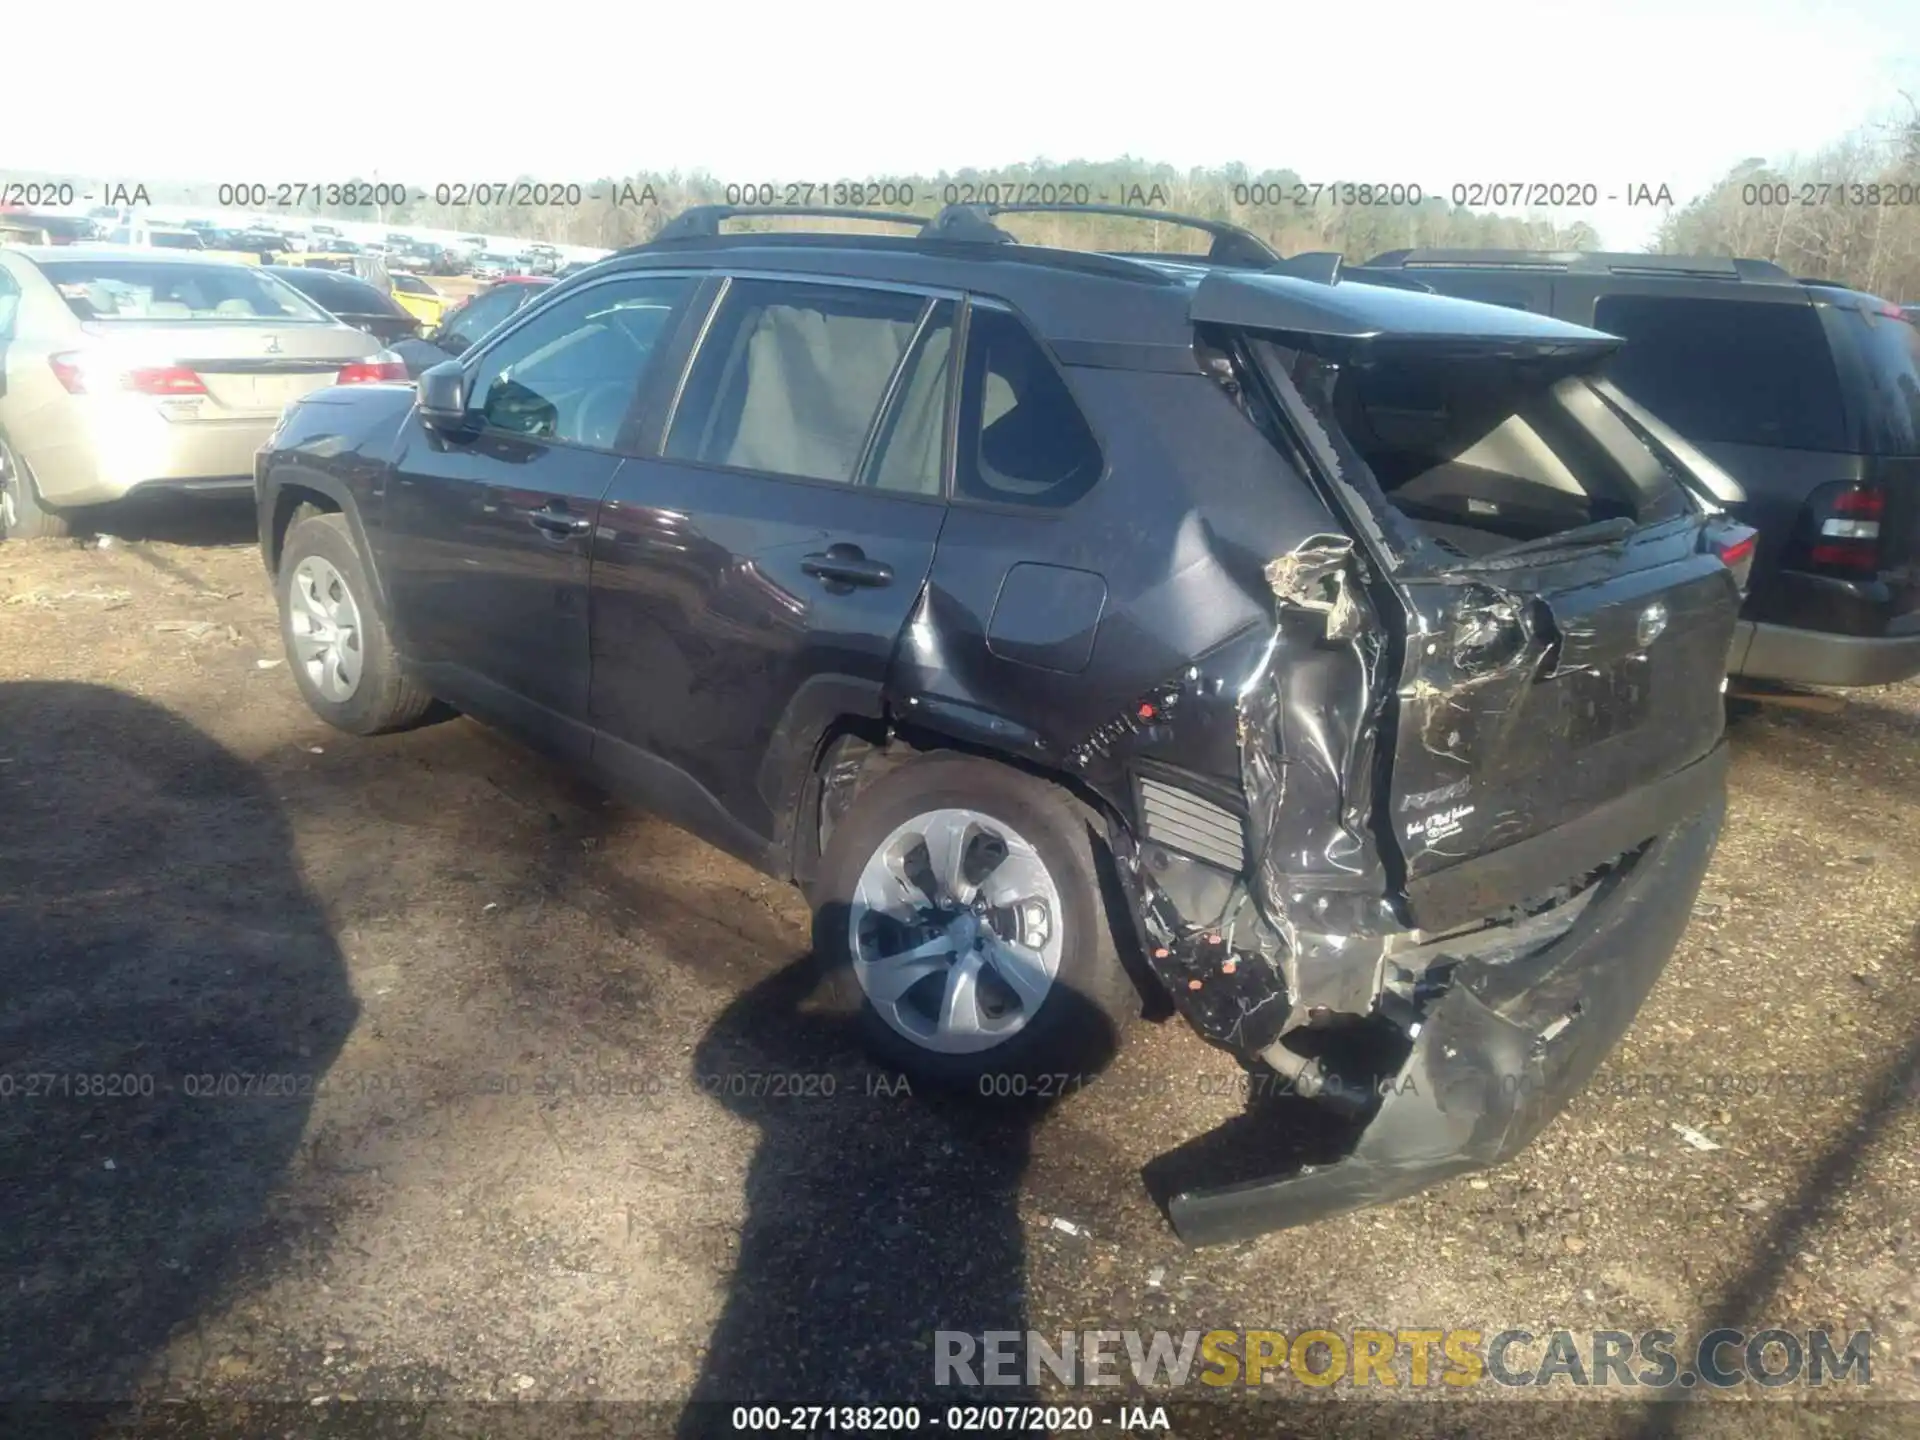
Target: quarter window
[572,371]
[791,378]
[1023,440]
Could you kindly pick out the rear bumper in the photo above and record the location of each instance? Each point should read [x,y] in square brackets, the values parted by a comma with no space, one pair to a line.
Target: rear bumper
[1479,1084]
[115,447]
[1784,653]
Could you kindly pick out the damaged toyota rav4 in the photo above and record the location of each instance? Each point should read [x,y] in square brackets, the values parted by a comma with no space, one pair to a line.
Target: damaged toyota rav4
[1341,660]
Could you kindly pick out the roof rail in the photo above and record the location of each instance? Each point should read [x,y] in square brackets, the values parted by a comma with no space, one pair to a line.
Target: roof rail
[702,222]
[1586,262]
[1231,244]
[972,224]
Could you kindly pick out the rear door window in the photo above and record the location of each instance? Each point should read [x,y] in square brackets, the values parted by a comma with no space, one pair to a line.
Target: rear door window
[791,377]
[909,452]
[1736,371]
[1023,440]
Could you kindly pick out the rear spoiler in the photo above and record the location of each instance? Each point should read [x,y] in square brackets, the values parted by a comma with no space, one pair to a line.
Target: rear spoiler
[1279,301]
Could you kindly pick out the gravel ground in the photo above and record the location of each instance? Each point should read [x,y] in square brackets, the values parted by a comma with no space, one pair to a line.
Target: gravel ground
[520,1148]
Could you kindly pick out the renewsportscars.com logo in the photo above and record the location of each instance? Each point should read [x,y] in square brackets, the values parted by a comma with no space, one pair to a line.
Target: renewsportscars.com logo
[1385,1359]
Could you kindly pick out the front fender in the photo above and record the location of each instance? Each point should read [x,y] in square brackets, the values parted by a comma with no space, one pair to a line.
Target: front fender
[331,450]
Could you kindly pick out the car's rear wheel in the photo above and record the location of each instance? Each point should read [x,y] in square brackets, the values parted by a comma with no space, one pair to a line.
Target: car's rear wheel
[336,642]
[959,912]
[22,517]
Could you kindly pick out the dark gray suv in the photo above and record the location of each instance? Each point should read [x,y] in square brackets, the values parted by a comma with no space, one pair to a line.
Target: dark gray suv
[1340,664]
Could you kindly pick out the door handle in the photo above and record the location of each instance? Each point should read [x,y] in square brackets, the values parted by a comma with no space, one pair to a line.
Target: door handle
[847,565]
[558,522]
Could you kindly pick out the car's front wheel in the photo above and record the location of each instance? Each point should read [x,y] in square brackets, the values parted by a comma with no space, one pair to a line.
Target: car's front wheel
[336,642]
[959,911]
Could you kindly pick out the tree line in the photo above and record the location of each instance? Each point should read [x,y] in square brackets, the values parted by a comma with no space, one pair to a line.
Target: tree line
[1278,205]
[1289,213]
[1849,212]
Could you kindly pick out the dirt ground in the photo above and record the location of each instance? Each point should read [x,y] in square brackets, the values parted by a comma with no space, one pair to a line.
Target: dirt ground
[501,1131]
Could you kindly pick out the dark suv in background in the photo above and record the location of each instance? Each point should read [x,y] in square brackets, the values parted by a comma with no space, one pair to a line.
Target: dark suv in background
[1806,393]
[1071,625]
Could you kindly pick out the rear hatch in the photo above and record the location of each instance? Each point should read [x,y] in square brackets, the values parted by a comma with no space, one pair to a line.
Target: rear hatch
[1549,574]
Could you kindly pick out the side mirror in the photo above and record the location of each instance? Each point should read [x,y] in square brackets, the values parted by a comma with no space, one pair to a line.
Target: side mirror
[442,392]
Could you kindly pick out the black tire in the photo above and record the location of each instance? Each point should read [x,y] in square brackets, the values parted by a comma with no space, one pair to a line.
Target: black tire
[384,698]
[1079,1024]
[22,516]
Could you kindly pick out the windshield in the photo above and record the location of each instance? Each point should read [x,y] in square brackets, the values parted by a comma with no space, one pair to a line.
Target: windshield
[132,290]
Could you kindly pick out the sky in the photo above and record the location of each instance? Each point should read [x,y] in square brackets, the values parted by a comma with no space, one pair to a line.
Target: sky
[1651,92]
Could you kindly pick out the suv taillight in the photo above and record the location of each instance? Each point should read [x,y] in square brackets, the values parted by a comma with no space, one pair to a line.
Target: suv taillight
[1844,528]
[384,366]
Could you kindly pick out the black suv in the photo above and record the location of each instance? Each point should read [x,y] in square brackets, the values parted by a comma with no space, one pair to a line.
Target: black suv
[1806,393]
[1074,627]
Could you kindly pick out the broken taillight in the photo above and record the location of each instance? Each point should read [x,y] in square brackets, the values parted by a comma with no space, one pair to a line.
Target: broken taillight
[1844,520]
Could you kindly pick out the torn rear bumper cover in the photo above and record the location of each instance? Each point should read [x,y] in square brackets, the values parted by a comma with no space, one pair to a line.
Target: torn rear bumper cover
[1497,1056]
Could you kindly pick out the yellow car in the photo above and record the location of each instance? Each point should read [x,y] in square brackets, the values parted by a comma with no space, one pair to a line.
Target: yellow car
[418,299]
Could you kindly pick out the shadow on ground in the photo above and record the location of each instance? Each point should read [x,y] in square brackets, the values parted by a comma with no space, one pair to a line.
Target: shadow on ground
[874,1221]
[173,520]
[158,950]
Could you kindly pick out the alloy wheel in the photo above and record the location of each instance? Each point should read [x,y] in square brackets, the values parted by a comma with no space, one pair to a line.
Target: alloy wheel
[956,931]
[324,622]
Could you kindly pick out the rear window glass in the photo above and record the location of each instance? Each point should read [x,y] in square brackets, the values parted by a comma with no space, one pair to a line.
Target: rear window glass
[120,290]
[1880,358]
[1740,372]
[343,294]
[1482,453]
[1487,290]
